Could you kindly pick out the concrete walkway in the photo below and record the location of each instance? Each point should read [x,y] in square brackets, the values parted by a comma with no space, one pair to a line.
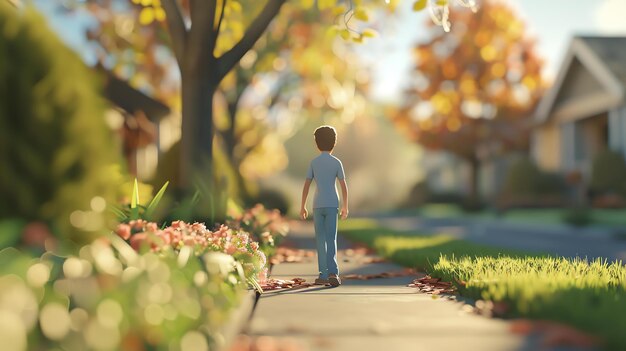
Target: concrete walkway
[377,314]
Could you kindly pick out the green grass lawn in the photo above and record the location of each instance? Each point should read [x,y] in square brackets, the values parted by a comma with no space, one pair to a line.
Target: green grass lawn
[588,295]
[548,216]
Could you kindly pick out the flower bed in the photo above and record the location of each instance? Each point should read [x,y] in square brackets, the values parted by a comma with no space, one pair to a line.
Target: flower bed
[267,227]
[108,296]
[194,238]
[148,287]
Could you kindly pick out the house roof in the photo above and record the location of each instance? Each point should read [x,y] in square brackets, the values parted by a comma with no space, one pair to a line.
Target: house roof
[131,100]
[603,57]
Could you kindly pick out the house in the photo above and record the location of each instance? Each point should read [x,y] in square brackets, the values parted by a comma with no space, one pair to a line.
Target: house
[585,110]
[137,117]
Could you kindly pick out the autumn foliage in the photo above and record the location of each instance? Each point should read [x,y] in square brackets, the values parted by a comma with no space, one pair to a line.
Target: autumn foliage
[473,89]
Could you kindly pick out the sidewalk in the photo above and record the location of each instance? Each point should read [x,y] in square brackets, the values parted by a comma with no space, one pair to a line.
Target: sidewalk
[377,314]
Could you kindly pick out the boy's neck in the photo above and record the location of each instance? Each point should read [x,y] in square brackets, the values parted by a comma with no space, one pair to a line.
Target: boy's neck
[326,152]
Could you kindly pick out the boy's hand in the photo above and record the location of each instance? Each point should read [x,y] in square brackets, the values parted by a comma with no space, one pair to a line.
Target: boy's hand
[344,212]
[304,213]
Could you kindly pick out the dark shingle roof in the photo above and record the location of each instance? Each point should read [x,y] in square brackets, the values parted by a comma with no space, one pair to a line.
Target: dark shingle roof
[612,51]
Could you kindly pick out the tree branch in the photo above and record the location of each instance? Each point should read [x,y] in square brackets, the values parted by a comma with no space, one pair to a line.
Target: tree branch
[177,28]
[227,61]
[219,22]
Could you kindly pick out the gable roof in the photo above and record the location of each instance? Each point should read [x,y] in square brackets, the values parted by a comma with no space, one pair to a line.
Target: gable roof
[120,93]
[612,51]
[603,57]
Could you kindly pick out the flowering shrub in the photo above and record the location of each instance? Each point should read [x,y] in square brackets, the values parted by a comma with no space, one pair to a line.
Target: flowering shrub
[268,227]
[109,297]
[147,236]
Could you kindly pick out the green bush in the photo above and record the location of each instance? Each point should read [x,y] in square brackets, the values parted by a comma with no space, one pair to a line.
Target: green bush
[608,173]
[526,184]
[578,216]
[417,196]
[55,147]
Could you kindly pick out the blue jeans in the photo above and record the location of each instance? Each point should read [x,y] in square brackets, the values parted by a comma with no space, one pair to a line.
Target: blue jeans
[325,219]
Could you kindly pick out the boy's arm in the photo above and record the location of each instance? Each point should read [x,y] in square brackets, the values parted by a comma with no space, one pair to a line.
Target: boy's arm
[344,193]
[305,193]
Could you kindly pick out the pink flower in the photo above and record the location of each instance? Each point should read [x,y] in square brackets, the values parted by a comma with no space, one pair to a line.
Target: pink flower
[230,249]
[152,227]
[177,224]
[254,245]
[123,230]
[35,234]
[263,276]
[137,240]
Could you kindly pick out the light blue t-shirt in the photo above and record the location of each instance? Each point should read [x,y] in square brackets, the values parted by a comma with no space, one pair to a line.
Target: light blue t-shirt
[325,168]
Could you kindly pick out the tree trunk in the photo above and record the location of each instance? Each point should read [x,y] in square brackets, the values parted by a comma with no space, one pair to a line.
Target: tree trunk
[473,199]
[230,140]
[196,158]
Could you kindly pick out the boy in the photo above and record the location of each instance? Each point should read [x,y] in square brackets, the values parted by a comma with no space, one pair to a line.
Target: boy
[325,169]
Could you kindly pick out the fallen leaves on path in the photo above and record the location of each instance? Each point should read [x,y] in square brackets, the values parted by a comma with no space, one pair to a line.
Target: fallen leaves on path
[266,343]
[278,284]
[491,308]
[434,286]
[554,334]
[404,273]
[357,250]
[290,255]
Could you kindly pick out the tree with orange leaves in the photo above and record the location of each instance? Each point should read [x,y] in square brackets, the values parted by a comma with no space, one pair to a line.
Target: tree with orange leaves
[208,38]
[473,89]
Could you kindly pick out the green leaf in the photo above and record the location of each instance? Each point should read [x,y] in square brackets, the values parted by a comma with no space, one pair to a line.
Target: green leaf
[255,285]
[155,201]
[419,5]
[134,210]
[10,232]
[119,213]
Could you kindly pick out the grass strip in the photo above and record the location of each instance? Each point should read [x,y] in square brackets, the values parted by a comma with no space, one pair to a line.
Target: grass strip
[589,295]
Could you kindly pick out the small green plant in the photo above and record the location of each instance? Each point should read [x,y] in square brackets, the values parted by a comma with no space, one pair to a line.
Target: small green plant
[134,210]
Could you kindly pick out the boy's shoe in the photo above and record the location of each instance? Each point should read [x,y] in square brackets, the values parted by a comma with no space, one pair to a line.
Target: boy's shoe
[321,281]
[334,280]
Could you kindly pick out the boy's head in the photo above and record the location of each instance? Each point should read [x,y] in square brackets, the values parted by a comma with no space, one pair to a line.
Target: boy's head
[325,138]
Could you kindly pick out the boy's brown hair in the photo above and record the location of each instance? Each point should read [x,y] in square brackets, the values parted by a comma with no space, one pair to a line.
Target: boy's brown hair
[325,138]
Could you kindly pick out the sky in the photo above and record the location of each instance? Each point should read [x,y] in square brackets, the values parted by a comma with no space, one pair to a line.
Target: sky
[551,22]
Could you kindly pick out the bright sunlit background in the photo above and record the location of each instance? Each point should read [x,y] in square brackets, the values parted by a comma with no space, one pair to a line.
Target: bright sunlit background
[383,64]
